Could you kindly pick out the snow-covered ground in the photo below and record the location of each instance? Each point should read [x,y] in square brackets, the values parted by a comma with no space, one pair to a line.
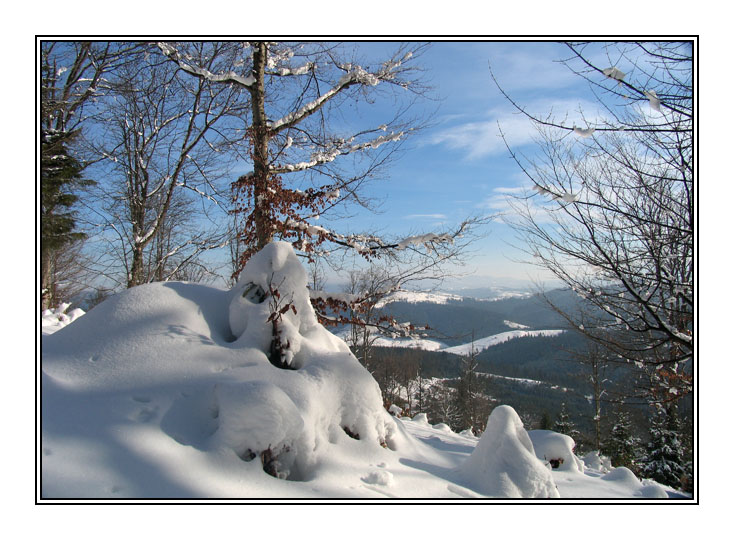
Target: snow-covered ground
[171,390]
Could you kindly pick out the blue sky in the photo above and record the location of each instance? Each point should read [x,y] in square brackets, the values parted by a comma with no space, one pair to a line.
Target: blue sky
[460,166]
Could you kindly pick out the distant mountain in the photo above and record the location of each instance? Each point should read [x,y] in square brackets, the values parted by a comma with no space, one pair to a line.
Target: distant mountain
[452,319]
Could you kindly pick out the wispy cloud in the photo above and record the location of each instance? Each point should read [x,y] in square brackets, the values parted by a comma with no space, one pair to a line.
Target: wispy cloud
[511,202]
[484,137]
[426,216]
[532,66]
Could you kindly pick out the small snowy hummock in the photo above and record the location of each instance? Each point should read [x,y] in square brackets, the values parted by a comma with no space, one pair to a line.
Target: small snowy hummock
[504,464]
[556,449]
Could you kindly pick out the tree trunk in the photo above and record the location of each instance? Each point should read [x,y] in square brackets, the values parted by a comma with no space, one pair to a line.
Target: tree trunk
[47,285]
[136,270]
[261,137]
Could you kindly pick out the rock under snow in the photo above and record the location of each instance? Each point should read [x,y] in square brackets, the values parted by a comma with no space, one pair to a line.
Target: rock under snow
[504,464]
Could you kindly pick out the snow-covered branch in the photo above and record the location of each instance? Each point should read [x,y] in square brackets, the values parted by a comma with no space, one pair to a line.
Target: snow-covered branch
[198,71]
[340,149]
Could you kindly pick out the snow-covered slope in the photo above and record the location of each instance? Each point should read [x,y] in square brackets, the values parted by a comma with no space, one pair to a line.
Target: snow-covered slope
[416,297]
[484,343]
[171,390]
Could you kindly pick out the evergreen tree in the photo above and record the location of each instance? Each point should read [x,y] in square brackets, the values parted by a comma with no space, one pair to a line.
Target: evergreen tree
[665,462]
[622,446]
[563,423]
[60,175]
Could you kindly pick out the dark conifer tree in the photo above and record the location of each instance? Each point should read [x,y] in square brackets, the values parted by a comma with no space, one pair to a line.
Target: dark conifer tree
[665,462]
[60,176]
[622,446]
[563,424]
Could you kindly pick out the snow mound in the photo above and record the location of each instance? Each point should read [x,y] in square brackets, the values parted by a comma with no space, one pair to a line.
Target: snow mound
[421,418]
[653,491]
[53,320]
[624,477]
[556,449]
[271,300]
[179,378]
[504,464]
[596,462]
[395,410]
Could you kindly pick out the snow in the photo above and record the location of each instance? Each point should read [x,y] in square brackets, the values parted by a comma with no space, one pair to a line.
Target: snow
[614,73]
[551,446]
[496,339]
[653,98]
[515,325]
[585,133]
[416,297]
[597,462]
[406,343]
[167,390]
[57,318]
[503,463]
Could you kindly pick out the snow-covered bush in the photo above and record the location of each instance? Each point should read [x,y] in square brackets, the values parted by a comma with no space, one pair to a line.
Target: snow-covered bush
[55,319]
[556,449]
[504,464]
[271,308]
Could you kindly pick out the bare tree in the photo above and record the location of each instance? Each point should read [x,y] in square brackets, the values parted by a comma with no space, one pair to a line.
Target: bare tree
[471,403]
[612,210]
[306,165]
[160,138]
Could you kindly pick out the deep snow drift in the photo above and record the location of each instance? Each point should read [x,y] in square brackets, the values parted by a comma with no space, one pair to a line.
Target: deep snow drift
[176,390]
